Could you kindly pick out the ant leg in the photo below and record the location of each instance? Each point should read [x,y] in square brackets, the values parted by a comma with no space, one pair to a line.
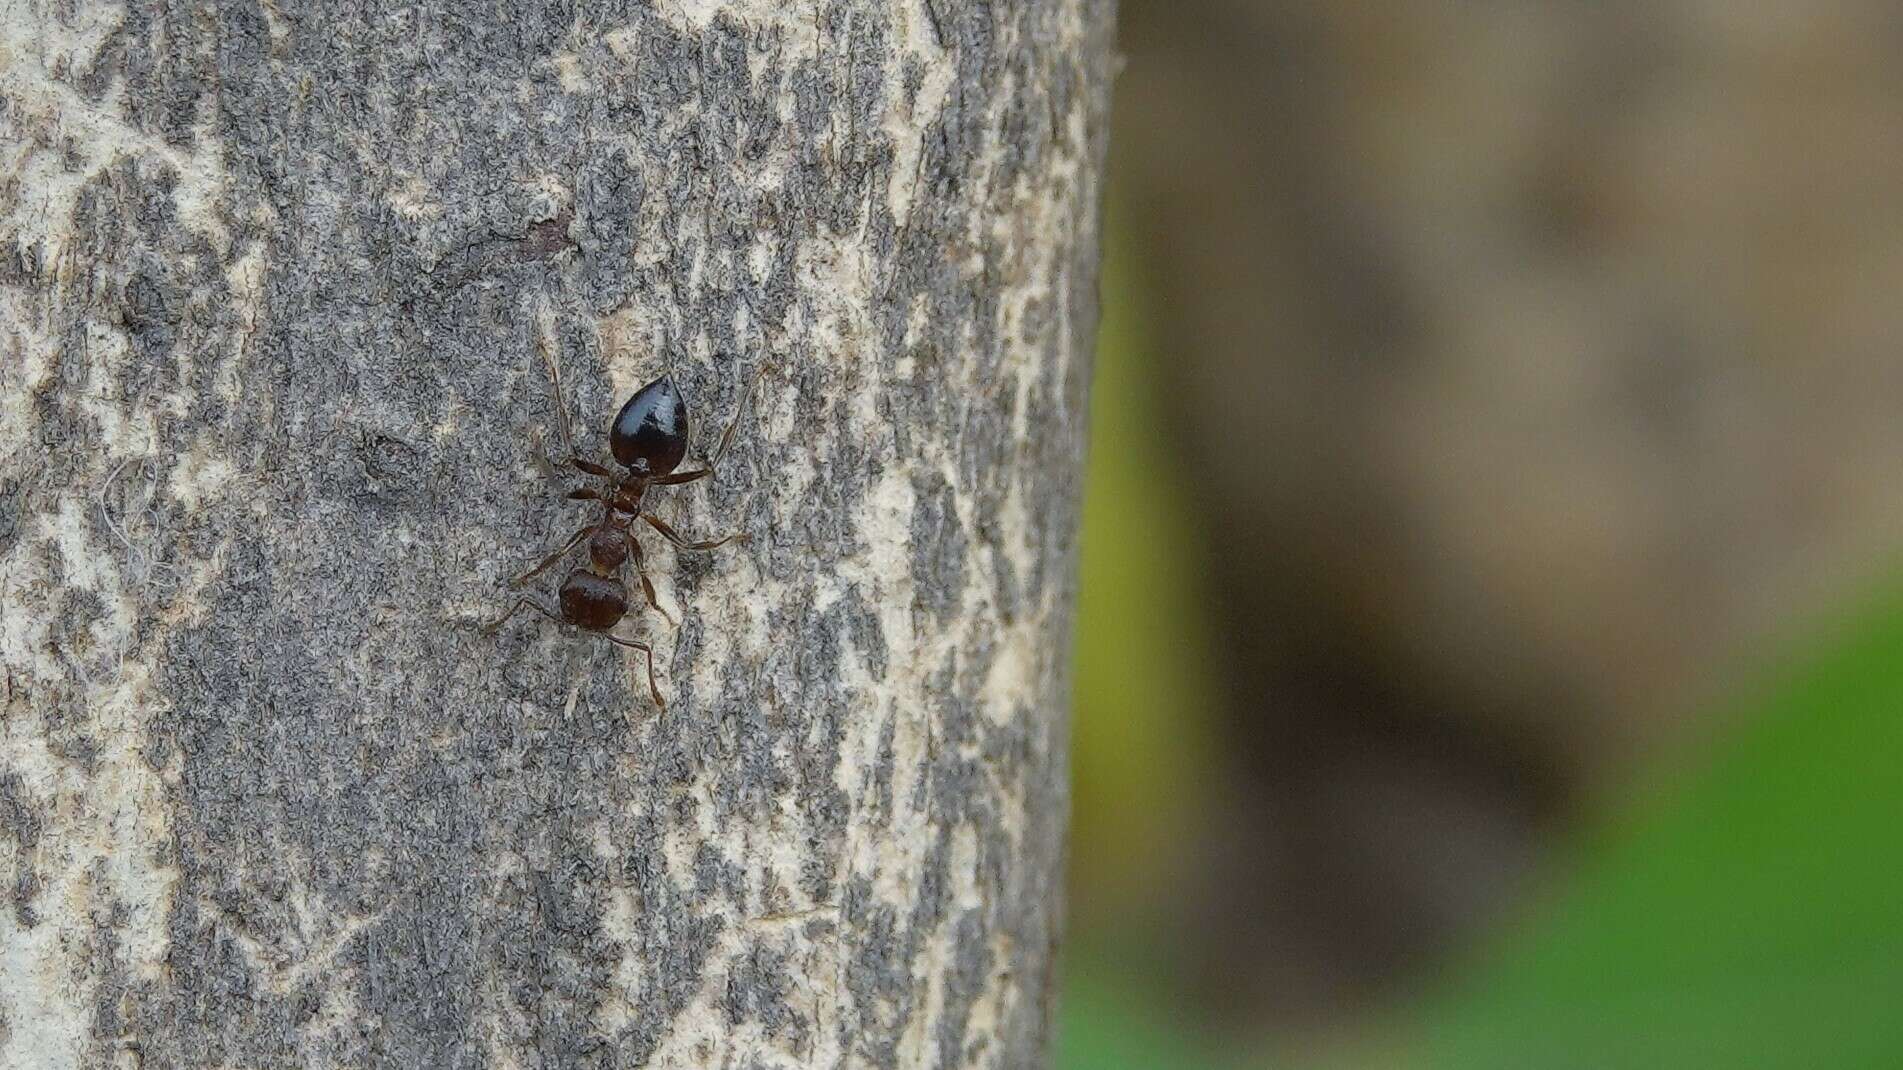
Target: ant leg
[573,541]
[677,478]
[585,494]
[551,468]
[574,459]
[653,688]
[641,570]
[726,439]
[586,465]
[667,532]
[561,402]
[496,625]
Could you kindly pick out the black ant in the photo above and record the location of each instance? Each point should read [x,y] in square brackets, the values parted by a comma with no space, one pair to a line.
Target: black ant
[649,441]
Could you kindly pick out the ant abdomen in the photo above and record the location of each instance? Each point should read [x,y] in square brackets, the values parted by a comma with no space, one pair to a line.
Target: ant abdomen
[593,602]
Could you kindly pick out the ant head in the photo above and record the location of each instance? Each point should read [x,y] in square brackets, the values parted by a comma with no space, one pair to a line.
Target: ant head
[607,548]
[649,435]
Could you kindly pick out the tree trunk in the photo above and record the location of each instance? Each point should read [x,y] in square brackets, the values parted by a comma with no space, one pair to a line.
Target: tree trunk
[273,290]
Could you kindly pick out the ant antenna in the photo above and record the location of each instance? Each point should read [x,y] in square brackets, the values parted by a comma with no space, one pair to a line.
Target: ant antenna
[759,330]
[667,351]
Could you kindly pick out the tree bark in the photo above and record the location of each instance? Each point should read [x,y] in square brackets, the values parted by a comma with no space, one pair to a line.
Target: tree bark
[273,289]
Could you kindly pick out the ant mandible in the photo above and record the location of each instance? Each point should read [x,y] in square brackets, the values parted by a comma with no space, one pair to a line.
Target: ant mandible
[649,441]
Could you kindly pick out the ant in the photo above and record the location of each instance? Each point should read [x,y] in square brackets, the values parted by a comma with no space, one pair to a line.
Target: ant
[649,441]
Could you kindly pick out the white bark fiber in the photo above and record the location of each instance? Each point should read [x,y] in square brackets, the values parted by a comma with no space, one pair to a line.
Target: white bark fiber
[272,287]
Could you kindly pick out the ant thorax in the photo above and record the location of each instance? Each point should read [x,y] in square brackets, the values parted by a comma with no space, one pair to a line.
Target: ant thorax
[628,493]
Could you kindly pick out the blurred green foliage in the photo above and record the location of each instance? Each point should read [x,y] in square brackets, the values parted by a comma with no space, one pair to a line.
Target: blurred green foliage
[1140,756]
[1743,909]
[1111,1019]
[1750,915]
[1746,913]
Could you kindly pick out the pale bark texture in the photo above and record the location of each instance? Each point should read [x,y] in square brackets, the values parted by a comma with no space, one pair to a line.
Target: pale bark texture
[272,292]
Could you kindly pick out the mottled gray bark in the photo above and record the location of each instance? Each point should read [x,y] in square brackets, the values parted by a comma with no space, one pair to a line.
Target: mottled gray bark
[272,289]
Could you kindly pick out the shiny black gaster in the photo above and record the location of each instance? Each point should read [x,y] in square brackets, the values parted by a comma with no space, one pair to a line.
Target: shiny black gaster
[650,433]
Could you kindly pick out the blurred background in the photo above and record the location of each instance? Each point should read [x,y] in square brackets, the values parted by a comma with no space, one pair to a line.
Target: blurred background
[1491,642]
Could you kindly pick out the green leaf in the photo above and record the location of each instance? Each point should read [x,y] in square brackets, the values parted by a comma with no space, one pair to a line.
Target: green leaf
[1748,916]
